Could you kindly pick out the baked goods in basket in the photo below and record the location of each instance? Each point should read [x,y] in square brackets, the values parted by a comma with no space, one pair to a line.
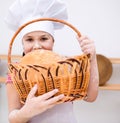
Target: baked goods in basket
[49,71]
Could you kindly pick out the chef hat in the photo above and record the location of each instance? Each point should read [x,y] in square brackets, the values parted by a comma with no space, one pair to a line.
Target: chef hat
[23,11]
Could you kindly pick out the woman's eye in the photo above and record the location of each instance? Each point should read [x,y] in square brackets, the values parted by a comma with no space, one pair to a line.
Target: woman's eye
[29,39]
[44,38]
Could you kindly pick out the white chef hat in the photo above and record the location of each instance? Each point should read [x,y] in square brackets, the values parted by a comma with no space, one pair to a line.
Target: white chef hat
[23,11]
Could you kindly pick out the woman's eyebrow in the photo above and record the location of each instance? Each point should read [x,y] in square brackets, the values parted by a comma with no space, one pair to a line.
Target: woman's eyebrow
[44,35]
[27,37]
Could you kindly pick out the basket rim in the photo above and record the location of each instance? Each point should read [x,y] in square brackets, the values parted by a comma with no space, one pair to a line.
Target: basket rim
[36,20]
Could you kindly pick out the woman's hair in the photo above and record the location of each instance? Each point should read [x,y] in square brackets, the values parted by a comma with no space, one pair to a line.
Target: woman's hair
[23,54]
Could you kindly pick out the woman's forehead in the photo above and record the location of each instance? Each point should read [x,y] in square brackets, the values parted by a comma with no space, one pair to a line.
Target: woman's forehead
[37,33]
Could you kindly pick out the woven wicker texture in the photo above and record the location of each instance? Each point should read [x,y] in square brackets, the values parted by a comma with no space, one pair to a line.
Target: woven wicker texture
[49,70]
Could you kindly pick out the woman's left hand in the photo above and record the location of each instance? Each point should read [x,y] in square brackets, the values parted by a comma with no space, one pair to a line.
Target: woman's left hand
[87,46]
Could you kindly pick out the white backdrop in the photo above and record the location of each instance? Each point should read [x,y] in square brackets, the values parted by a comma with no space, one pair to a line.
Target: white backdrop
[98,19]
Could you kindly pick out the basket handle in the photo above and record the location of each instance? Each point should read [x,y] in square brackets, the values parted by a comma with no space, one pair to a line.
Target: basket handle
[36,20]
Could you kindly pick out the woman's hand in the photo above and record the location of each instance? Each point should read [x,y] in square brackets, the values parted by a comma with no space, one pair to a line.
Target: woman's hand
[36,105]
[87,46]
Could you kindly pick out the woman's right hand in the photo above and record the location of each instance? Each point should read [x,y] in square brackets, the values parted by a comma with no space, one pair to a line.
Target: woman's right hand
[36,105]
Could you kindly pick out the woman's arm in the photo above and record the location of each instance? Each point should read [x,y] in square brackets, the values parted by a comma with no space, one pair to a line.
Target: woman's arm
[33,105]
[88,47]
[94,82]
[14,105]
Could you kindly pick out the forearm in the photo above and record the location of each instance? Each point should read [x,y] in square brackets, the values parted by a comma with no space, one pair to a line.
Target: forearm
[17,116]
[94,81]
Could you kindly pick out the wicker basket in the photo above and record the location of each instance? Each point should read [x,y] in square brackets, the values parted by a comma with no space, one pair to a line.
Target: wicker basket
[69,75]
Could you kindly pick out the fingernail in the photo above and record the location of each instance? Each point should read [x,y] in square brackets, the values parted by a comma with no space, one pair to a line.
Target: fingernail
[56,90]
[35,86]
[61,96]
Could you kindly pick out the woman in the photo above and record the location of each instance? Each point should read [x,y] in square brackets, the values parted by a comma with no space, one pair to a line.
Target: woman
[42,109]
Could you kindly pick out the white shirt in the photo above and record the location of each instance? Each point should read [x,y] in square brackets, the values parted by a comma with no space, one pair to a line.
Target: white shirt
[61,113]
